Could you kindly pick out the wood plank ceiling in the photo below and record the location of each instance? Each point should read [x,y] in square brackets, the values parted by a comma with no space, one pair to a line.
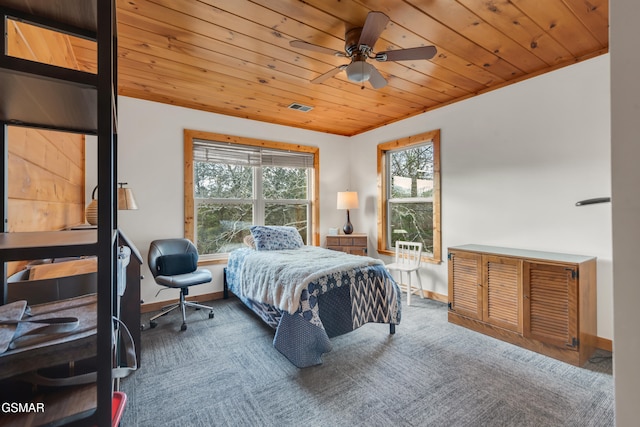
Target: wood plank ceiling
[233,56]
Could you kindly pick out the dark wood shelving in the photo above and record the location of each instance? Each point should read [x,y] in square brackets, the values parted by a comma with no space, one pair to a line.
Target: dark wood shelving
[39,95]
[48,96]
[82,14]
[47,244]
[33,100]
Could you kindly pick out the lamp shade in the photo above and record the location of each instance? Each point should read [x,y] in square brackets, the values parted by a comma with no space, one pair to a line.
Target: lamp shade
[126,201]
[347,200]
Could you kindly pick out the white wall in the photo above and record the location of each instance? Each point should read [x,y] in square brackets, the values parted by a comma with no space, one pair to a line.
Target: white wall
[150,159]
[513,163]
[625,152]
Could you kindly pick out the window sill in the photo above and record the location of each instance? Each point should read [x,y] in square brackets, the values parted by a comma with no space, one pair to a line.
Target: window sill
[213,259]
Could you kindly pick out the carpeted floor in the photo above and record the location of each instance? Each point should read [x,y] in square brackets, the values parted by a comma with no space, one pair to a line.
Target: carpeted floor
[225,372]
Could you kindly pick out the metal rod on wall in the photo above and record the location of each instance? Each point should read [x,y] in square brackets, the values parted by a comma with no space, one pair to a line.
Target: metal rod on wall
[593,201]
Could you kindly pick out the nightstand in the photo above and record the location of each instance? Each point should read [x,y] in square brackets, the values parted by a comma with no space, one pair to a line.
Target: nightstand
[355,243]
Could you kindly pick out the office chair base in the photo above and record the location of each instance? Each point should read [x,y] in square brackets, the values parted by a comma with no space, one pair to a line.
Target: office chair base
[164,310]
[182,305]
[197,307]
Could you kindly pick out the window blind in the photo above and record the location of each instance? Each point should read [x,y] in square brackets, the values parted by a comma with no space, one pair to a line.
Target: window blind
[245,155]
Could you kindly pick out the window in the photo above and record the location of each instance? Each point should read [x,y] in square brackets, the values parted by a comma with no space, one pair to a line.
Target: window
[232,183]
[409,199]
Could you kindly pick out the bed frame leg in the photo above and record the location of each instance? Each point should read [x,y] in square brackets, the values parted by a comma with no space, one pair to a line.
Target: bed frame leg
[225,288]
[392,328]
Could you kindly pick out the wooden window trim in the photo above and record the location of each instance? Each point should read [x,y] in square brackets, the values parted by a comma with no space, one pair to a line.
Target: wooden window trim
[434,137]
[191,135]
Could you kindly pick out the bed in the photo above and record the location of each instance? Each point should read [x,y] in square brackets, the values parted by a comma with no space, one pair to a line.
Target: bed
[309,294]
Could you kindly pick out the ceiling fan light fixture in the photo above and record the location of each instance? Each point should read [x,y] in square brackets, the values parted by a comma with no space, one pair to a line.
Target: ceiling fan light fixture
[359,43]
[358,71]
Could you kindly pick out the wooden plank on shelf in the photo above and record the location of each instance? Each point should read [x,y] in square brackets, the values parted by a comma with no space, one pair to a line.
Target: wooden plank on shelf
[39,216]
[35,43]
[63,269]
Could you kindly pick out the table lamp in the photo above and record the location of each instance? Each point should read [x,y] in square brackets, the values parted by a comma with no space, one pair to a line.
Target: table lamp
[347,200]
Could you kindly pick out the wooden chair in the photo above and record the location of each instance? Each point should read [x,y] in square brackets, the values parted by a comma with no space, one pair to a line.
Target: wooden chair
[407,260]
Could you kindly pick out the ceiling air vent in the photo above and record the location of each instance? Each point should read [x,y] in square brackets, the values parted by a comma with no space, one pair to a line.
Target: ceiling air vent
[300,107]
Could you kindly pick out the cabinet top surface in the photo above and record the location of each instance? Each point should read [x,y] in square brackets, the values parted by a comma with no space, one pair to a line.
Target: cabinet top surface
[523,253]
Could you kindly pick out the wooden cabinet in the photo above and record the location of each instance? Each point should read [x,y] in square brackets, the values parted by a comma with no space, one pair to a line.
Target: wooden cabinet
[486,288]
[542,301]
[40,95]
[351,243]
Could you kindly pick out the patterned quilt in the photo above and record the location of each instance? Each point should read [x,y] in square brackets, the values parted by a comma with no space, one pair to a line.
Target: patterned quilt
[332,297]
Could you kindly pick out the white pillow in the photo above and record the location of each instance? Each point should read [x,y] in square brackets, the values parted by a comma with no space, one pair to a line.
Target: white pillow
[275,237]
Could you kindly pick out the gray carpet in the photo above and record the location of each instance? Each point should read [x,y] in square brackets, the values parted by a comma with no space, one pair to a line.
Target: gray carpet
[225,372]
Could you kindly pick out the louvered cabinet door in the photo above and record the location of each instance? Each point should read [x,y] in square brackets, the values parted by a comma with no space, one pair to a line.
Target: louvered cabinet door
[502,292]
[465,277]
[551,304]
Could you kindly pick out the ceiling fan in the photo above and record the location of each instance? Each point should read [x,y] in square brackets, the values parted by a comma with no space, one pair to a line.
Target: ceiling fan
[358,46]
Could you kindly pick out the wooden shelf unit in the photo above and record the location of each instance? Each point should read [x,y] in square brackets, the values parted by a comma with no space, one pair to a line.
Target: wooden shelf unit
[542,301]
[47,244]
[49,97]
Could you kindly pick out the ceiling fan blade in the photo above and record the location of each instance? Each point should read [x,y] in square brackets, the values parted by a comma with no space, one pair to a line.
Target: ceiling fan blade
[373,27]
[328,74]
[376,79]
[424,52]
[304,45]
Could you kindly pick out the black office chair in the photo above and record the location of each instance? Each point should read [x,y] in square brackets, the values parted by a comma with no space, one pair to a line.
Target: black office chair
[174,264]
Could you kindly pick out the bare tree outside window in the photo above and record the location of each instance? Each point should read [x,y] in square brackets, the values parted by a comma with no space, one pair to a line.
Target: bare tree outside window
[409,203]
[237,186]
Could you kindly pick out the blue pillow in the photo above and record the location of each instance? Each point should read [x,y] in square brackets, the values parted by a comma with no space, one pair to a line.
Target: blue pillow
[273,237]
[172,265]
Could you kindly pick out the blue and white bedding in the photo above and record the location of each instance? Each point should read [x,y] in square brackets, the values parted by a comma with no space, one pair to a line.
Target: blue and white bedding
[310,294]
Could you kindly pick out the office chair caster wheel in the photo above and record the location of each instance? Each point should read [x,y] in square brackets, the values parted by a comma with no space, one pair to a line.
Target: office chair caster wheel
[211,315]
[153,324]
[183,327]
